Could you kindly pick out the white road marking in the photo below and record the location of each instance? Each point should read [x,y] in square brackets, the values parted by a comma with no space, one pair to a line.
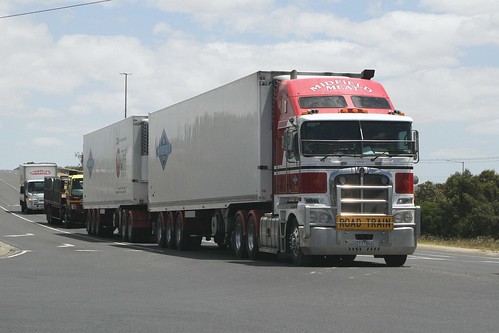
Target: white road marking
[18,254]
[66,245]
[425,258]
[23,235]
[87,250]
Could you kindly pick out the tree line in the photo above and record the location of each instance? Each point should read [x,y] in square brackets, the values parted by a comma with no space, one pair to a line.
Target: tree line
[465,206]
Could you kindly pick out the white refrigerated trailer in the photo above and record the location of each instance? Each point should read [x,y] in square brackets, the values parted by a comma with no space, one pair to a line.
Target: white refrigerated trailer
[115,172]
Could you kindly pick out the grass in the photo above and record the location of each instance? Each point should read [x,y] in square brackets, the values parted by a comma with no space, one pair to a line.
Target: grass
[480,243]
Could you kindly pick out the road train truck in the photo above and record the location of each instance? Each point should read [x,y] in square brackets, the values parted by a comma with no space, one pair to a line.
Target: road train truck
[306,164]
[31,177]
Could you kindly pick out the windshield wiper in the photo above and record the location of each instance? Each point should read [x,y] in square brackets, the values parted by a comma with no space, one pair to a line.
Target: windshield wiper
[338,155]
[384,154]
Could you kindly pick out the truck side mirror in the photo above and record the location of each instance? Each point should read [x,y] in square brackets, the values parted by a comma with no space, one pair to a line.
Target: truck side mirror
[290,144]
[21,189]
[287,142]
[415,136]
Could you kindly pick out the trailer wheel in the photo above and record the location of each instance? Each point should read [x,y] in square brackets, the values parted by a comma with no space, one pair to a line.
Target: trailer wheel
[97,224]
[87,221]
[169,231]
[299,259]
[124,226]
[132,233]
[160,230]
[180,238]
[395,261]
[93,222]
[252,239]
[238,241]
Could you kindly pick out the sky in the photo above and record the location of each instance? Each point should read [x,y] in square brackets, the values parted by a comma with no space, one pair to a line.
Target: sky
[60,70]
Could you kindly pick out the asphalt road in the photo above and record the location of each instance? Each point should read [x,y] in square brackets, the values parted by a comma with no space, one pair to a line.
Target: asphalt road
[63,280]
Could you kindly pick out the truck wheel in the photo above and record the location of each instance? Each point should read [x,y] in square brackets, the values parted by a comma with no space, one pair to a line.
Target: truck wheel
[395,261]
[180,238]
[97,224]
[124,226]
[66,219]
[169,232]
[299,259]
[238,241]
[88,221]
[92,222]
[48,213]
[132,233]
[160,230]
[252,239]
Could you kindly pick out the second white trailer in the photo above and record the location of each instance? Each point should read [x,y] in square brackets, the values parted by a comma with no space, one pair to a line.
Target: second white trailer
[115,171]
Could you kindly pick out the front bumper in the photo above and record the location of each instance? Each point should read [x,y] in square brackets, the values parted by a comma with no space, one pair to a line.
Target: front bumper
[329,241]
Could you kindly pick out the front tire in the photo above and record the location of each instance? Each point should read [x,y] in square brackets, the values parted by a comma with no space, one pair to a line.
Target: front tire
[395,261]
[299,259]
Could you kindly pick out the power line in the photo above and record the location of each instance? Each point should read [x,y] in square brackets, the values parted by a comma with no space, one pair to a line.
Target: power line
[53,9]
[460,160]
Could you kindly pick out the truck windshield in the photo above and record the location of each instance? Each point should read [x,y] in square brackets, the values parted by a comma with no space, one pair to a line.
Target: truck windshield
[35,187]
[322,102]
[356,138]
[77,188]
[366,102]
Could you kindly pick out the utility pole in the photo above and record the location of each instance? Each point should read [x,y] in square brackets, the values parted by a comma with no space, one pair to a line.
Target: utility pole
[126,88]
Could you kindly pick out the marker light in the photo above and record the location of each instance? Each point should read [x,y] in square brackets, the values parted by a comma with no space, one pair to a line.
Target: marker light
[397,112]
[353,110]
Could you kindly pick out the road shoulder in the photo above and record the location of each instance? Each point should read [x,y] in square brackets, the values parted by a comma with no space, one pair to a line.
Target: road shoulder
[457,249]
[7,250]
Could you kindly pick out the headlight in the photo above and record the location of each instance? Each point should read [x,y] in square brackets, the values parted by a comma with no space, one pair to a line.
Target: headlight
[403,217]
[404,201]
[318,216]
[324,218]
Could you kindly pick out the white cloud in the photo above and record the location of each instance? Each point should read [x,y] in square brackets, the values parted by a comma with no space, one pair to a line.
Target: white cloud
[47,142]
[463,94]
[48,74]
[462,7]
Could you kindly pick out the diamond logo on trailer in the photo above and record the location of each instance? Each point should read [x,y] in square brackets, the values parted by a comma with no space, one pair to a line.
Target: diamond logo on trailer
[90,164]
[164,149]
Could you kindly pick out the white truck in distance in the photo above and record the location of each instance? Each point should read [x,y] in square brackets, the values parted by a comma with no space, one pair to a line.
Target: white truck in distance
[32,177]
[313,165]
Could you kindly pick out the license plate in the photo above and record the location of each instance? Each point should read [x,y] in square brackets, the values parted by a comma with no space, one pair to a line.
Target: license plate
[355,222]
[364,243]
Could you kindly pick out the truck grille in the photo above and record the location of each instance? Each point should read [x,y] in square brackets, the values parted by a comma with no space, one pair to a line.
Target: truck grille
[362,193]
